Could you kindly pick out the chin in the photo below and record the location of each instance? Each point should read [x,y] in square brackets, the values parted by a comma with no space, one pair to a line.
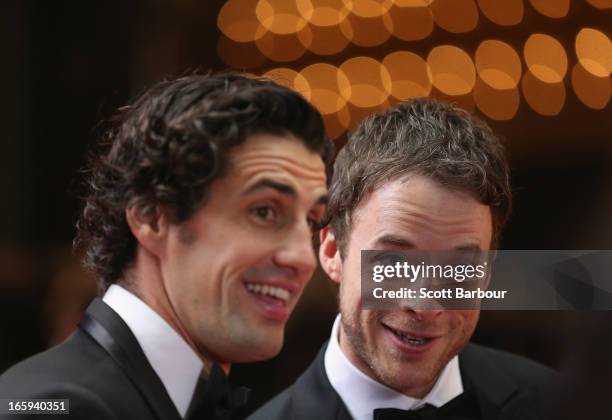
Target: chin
[272,348]
[421,377]
[262,348]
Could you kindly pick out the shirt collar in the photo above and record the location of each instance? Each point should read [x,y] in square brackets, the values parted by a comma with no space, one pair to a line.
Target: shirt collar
[362,394]
[176,364]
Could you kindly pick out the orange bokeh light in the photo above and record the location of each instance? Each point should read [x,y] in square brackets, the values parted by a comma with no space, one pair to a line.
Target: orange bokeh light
[329,40]
[280,17]
[336,124]
[500,105]
[412,19]
[326,86]
[498,64]
[594,51]
[456,16]
[370,8]
[286,77]
[370,31]
[545,58]
[452,70]
[237,21]
[285,48]
[324,12]
[412,3]
[552,8]
[591,90]
[370,82]
[601,4]
[544,98]
[410,75]
[505,13]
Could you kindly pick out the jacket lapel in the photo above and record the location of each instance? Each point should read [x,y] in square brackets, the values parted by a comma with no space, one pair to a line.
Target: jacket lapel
[498,396]
[313,397]
[112,333]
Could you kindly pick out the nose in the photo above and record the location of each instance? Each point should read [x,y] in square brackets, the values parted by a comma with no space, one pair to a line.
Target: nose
[297,252]
[423,308]
[426,314]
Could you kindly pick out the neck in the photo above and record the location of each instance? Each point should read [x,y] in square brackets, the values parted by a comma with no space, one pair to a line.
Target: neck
[146,282]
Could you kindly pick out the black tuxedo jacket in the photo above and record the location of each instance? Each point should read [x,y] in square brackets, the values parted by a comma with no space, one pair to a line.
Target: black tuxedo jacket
[506,386]
[101,369]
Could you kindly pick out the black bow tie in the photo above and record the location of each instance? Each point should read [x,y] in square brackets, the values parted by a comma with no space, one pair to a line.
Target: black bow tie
[463,407]
[425,412]
[214,399]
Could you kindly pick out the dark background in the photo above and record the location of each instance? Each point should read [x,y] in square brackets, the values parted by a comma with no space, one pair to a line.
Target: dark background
[67,65]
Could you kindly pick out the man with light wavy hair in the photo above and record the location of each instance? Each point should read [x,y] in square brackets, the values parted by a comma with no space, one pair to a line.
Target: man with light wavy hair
[424,176]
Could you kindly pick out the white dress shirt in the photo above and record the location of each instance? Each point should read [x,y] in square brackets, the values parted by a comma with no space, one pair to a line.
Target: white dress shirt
[176,364]
[362,394]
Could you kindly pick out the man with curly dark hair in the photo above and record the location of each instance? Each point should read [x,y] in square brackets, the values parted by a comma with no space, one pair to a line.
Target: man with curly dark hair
[198,219]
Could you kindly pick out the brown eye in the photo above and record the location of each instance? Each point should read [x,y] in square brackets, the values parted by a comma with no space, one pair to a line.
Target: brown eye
[264,214]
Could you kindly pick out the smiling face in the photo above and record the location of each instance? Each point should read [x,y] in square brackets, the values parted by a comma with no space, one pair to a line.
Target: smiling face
[234,271]
[408,349]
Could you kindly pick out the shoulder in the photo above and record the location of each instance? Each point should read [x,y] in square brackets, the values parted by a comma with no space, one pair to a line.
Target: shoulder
[311,396]
[278,407]
[70,362]
[67,359]
[521,370]
[78,370]
[514,383]
[81,403]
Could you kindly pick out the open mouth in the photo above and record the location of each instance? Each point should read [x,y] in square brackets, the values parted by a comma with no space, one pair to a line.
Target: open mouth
[410,339]
[272,301]
[277,294]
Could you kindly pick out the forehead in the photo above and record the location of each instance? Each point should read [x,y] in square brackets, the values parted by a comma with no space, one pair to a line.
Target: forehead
[275,155]
[421,213]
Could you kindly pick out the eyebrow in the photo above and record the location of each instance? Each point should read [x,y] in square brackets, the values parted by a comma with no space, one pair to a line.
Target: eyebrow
[394,240]
[275,185]
[468,247]
[281,188]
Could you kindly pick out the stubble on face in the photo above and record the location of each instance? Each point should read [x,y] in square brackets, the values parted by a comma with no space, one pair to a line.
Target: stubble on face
[384,363]
[427,216]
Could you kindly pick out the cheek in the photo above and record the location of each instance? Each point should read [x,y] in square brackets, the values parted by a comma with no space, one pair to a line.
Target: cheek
[350,296]
[464,323]
[471,318]
[351,276]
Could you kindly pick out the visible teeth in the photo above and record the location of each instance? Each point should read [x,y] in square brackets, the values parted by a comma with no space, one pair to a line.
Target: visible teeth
[264,289]
[419,341]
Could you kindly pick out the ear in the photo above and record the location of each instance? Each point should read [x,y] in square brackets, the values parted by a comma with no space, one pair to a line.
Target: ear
[329,255]
[149,225]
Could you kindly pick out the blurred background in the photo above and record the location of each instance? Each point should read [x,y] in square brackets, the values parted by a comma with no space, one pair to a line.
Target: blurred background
[538,71]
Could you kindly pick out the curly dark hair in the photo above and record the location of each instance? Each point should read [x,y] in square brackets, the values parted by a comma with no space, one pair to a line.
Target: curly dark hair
[423,136]
[169,145]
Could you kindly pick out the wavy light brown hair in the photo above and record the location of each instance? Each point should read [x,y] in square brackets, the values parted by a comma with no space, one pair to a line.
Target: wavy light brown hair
[426,137]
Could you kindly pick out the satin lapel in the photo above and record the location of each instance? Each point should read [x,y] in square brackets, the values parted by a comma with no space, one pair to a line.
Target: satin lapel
[313,397]
[497,394]
[112,333]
